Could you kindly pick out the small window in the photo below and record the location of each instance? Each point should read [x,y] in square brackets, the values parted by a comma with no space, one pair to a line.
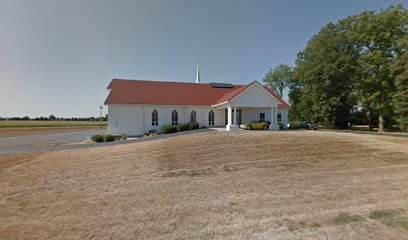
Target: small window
[193,116]
[279,117]
[211,118]
[262,117]
[174,118]
[155,118]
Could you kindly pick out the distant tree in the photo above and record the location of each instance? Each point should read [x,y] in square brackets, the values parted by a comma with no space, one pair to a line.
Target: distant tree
[278,78]
[400,69]
[52,117]
[25,118]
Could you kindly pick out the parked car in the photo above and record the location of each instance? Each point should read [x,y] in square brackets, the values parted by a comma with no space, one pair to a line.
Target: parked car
[255,125]
[308,125]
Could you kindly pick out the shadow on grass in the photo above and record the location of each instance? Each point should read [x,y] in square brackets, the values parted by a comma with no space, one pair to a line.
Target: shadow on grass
[393,218]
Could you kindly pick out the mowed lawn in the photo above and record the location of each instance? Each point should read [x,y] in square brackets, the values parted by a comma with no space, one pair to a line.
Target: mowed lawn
[212,185]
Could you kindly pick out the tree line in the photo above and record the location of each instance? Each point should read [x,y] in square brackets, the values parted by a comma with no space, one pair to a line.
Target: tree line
[351,71]
[54,118]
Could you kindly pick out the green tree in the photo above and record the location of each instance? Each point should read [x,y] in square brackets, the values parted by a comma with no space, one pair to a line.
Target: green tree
[278,78]
[346,66]
[400,69]
[325,76]
[378,35]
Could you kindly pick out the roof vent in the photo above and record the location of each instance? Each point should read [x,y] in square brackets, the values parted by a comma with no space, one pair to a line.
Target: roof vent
[221,85]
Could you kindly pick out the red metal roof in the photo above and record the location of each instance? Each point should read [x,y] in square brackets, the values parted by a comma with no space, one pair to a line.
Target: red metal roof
[172,93]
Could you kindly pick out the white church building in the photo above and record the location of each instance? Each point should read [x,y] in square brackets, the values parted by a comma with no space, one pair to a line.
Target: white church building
[137,106]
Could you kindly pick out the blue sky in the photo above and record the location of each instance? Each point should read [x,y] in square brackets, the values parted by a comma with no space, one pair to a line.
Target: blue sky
[57,57]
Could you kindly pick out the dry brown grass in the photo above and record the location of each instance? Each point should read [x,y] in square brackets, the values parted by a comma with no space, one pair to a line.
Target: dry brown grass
[250,185]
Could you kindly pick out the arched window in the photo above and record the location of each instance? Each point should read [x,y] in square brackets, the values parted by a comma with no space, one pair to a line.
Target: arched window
[193,116]
[174,118]
[211,118]
[155,118]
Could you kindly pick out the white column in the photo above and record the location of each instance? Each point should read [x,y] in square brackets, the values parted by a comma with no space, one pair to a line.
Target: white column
[230,126]
[272,115]
[274,125]
[229,115]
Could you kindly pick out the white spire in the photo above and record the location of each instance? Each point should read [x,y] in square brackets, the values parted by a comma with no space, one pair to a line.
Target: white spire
[198,75]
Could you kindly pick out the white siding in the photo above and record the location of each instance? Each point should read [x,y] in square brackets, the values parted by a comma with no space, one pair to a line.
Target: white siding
[125,119]
[133,120]
[254,96]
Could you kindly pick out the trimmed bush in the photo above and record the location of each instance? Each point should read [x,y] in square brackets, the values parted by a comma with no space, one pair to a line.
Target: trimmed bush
[168,129]
[182,127]
[109,138]
[103,138]
[193,125]
[97,138]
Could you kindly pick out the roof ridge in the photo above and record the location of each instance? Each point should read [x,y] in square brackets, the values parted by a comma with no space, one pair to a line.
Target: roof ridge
[160,81]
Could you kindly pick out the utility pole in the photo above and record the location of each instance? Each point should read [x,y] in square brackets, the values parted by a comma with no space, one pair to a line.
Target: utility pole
[100,116]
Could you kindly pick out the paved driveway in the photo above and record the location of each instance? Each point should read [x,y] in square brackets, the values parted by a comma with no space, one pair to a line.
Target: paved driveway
[49,142]
[42,142]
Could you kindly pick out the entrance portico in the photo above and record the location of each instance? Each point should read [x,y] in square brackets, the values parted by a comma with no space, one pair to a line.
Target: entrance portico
[250,114]
[254,103]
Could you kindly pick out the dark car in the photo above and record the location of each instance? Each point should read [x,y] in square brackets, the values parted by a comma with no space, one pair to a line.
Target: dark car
[308,125]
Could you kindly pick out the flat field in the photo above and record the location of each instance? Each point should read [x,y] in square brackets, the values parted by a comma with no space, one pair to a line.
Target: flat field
[36,123]
[212,185]
[15,128]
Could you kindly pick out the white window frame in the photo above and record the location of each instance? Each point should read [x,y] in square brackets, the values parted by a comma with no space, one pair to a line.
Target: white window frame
[174,118]
[211,117]
[155,118]
[193,116]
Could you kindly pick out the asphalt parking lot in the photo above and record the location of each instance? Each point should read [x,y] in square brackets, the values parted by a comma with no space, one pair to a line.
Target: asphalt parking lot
[43,142]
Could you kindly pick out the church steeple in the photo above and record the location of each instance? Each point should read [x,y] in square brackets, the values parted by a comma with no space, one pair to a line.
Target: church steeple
[198,75]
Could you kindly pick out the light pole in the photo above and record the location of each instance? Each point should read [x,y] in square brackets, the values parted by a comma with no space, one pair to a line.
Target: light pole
[100,116]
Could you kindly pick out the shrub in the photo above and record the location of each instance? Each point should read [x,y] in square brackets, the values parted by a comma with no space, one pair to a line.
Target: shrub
[182,127]
[151,132]
[193,125]
[109,138]
[168,129]
[103,138]
[97,138]
[280,125]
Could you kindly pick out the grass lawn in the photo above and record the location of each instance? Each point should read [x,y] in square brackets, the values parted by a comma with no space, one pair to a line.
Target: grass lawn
[222,185]
[35,123]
